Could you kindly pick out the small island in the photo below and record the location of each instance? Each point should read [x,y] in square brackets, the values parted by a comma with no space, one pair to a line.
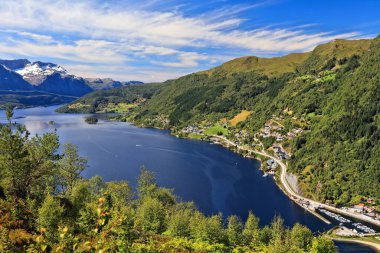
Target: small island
[91,120]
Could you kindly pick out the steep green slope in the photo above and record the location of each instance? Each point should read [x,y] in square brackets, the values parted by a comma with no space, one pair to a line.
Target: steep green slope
[337,49]
[334,89]
[343,147]
[268,66]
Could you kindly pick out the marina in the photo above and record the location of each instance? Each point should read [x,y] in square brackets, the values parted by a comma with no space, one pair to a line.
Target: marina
[355,227]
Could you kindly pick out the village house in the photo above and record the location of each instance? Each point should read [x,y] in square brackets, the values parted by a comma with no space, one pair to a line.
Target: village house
[271,166]
[280,152]
[359,208]
[192,129]
[297,130]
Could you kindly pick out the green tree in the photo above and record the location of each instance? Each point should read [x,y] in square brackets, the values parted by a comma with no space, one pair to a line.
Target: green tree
[121,192]
[26,164]
[265,235]
[146,183]
[277,227]
[215,230]
[301,237]
[42,158]
[180,220]
[96,185]
[5,245]
[71,166]
[50,215]
[165,196]
[321,244]
[234,230]
[198,226]
[80,196]
[251,230]
[13,159]
[151,216]
[278,245]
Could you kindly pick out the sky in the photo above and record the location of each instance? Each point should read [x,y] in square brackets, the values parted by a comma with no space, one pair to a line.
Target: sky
[157,40]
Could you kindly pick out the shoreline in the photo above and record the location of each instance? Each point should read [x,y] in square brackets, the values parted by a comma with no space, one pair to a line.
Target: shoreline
[292,195]
[282,183]
[372,245]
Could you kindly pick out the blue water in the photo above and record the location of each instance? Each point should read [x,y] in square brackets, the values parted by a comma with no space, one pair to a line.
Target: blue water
[348,247]
[216,179]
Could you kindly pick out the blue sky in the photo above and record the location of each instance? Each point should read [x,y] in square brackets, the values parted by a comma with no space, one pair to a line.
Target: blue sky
[158,40]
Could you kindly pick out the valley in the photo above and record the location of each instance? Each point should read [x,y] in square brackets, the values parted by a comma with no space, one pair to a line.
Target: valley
[303,113]
[252,115]
[249,126]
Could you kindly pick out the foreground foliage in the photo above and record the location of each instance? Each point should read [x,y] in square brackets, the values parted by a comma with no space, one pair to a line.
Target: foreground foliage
[45,206]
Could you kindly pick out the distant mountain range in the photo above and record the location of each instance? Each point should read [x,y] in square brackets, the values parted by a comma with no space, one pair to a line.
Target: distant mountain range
[23,75]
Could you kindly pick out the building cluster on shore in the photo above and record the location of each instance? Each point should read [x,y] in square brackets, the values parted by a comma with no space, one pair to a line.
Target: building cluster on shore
[271,167]
[192,130]
[280,152]
[273,128]
[364,209]
[246,143]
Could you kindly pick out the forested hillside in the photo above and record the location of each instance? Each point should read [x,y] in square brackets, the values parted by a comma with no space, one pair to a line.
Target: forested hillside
[108,100]
[329,95]
[335,89]
[32,98]
[45,206]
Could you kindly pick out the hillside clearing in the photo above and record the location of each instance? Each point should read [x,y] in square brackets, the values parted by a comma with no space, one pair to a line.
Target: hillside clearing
[242,116]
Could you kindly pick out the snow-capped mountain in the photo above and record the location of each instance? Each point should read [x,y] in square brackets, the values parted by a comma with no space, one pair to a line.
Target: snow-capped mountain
[37,72]
[24,75]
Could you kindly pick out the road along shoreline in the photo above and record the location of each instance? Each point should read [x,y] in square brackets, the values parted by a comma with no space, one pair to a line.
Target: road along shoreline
[312,204]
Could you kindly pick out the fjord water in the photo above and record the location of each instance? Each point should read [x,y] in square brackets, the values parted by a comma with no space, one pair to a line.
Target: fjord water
[349,247]
[215,178]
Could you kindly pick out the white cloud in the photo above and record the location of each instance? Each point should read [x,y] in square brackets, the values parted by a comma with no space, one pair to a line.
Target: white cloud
[87,51]
[152,27]
[124,73]
[34,36]
[92,33]
[186,60]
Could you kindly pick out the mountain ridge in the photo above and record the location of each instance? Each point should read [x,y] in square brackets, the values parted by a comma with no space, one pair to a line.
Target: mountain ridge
[24,75]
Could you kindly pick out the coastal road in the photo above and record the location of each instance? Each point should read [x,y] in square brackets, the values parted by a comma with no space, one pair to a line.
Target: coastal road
[291,192]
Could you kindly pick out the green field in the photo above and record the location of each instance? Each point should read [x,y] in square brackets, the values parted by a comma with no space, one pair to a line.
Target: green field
[216,130]
[195,136]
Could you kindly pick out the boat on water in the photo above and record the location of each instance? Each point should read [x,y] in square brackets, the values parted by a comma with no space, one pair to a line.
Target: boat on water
[342,220]
[364,228]
[335,216]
